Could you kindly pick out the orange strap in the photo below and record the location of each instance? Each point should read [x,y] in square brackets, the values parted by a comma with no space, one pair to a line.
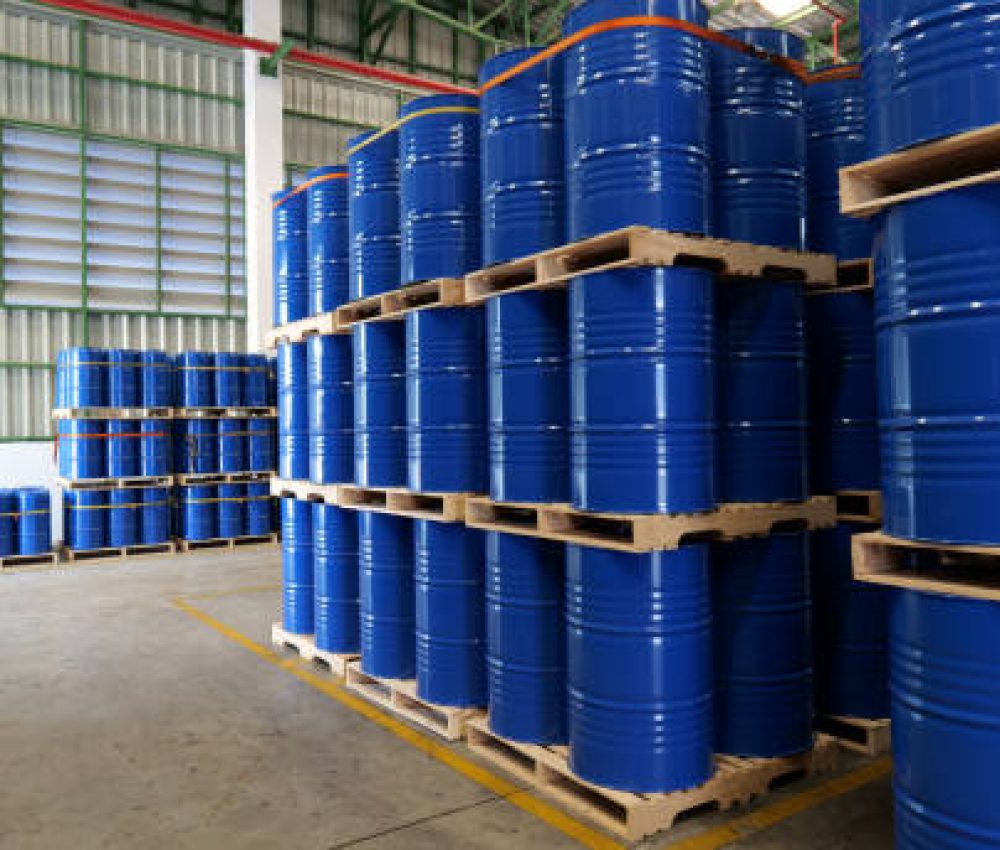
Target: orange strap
[838,72]
[336,175]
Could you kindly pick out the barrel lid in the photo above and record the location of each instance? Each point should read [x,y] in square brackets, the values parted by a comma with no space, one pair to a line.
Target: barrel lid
[595,11]
[437,101]
[323,170]
[502,61]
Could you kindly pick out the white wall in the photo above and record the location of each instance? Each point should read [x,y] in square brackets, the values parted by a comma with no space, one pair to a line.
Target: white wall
[32,465]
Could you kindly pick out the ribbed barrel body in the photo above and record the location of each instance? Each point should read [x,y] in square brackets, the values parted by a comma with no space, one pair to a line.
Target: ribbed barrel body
[260,510]
[228,379]
[124,517]
[327,237]
[297,564]
[156,379]
[124,446]
[331,409]
[85,518]
[335,560]
[82,448]
[291,265]
[232,445]
[262,439]
[196,446]
[154,447]
[34,522]
[197,505]
[373,214]
[255,381]
[195,377]
[155,519]
[293,411]
[380,404]
[231,510]
[124,378]
[8,522]
[82,378]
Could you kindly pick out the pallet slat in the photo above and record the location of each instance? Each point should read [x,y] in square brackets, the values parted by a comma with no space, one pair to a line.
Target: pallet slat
[127,483]
[45,559]
[119,553]
[443,507]
[225,412]
[870,738]
[112,412]
[396,303]
[184,478]
[227,542]
[322,324]
[305,646]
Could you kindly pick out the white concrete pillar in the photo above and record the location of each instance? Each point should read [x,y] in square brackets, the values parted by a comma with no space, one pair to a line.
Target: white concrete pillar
[265,166]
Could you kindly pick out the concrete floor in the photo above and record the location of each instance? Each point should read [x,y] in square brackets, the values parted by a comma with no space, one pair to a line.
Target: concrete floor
[125,722]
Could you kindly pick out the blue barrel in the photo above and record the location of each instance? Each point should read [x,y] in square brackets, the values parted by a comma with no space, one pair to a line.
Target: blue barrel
[850,621]
[124,445]
[297,566]
[335,560]
[195,378]
[439,210]
[527,356]
[637,121]
[198,508]
[255,379]
[82,378]
[944,664]
[761,391]
[231,511]
[82,448]
[521,143]
[526,638]
[446,400]
[272,381]
[937,315]
[327,237]
[228,380]
[260,510]
[758,142]
[8,522]
[373,213]
[639,667]
[154,522]
[233,452]
[124,378]
[197,446]
[154,447]
[380,404]
[843,437]
[642,379]
[835,135]
[34,523]
[290,262]
[85,519]
[124,516]
[385,553]
[763,646]
[156,379]
[930,70]
[331,409]
[293,411]
[449,577]
[261,442]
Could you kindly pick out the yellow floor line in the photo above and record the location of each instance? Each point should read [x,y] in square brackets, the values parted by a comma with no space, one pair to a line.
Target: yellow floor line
[234,591]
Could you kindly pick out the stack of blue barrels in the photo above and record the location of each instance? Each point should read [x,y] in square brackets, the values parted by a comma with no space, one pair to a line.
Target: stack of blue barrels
[930,72]
[25,524]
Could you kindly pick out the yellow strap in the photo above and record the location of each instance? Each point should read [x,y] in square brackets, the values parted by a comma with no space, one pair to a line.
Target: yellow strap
[27,513]
[399,122]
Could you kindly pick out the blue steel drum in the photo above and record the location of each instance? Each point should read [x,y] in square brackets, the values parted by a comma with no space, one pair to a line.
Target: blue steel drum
[944,664]
[233,452]
[124,378]
[446,400]
[327,237]
[521,144]
[231,511]
[228,376]
[639,667]
[34,521]
[439,211]
[82,448]
[195,376]
[449,578]
[82,378]
[373,213]
[835,135]
[272,381]
[385,554]
[85,519]
[763,646]
[937,315]
[124,517]
[850,620]
[637,121]
[198,520]
[154,447]
[261,442]
[293,411]
[335,559]
[156,379]
[255,380]
[758,142]
[761,391]
[843,437]
[528,397]
[124,447]
[291,258]
[8,522]
[526,638]
[297,566]
[641,391]
[931,69]
[380,404]
[331,409]
[197,444]
[154,522]
[260,510]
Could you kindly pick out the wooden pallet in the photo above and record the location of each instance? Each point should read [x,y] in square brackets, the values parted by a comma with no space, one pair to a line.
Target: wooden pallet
[636,246]
[324,324]
[129,483]
[45,559]
[443,507]
[634,816]
[870,738]
[228,542]
[119,553]
[648,532]
[396,303]
[112,413]
[186,478]
[400,697]
[859,505]
[965,159]
[291,488]
[969,571]
[225,412]
[305,645]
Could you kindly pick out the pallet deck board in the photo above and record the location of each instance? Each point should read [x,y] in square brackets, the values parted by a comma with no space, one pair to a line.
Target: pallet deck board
[228,542]
[305,646]
[43,559]
[635,816]
[131,482]
[112,413]
[396,303]
[871,738]
[119,553]
[323,324]
[398,501]
[185,478]
[225,412]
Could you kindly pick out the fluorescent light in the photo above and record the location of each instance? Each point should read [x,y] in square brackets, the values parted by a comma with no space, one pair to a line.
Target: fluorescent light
[781,8]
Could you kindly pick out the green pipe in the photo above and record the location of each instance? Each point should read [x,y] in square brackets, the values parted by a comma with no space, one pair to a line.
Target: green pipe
[25,364]
[446,20]
[32,439]
[327,119]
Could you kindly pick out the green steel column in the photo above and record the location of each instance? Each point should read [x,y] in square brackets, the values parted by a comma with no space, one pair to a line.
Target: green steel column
[82,96]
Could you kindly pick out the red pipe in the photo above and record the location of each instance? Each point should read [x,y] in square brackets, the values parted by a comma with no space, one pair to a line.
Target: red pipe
[838,19]
[96,9]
